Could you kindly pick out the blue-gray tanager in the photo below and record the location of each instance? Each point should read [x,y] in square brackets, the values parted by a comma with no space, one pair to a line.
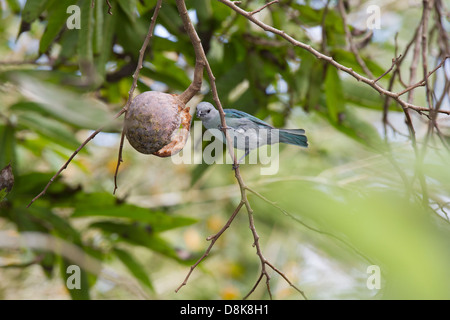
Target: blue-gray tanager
[246,131]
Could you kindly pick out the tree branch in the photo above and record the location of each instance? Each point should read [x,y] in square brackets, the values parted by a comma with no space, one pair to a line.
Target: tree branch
[202,59]
[122,111]
[350,42]
[134,84]
[213,240]
[321,56]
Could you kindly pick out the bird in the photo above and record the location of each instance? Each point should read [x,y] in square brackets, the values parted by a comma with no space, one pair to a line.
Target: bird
[246,131]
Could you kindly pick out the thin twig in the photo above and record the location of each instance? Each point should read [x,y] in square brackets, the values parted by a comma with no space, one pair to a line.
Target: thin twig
[201,59]
[394,63]
[119,159]
[319,55]
[134,84]
[122,111]
[286,213]
[324,29]
[350,42]
[424,81]
[263,7]
[265,262]
[92,136]
[213,240]
[109,7]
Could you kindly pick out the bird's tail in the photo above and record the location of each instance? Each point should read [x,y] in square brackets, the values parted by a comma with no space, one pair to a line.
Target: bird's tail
[293,136]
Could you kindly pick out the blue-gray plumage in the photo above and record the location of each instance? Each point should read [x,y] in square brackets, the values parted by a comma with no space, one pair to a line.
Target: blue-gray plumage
[246,131]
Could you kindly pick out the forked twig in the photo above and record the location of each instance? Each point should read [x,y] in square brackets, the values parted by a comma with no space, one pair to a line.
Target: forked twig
[122,111]
[213,240]
[202,60]
[395,96]
[135,80]
[263,7]
[395,62]
[92,136]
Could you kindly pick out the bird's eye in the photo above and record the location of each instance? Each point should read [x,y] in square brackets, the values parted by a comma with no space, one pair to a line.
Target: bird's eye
[208,111]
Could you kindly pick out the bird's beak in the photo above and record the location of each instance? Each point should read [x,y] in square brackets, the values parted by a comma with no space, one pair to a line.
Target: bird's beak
[199,114]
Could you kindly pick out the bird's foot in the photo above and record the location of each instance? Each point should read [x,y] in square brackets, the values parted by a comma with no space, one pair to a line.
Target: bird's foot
[235,166]
[221,128]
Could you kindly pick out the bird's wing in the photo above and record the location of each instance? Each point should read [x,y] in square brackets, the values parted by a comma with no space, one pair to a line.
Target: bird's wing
[244,119]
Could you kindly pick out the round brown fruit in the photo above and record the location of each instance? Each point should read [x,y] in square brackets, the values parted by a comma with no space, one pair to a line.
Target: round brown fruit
[157,123]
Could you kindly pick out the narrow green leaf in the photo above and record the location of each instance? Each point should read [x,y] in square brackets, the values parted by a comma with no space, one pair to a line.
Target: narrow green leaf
[33,9]
[69,45]
[128,7]
[69,277]
[334,94]
[364,96]
[134,266]
[104,40]
[302,75]
[98,27]
[14,5]
[139,234]
[198,172]
[105,205]
[32,183]
[203,8]
[315,82]
[7,145]
[56,20]
[47,127]
[85,40]
[229,80]
[59,226]
[170,19]
[65,105]
[348,59]
[3,194]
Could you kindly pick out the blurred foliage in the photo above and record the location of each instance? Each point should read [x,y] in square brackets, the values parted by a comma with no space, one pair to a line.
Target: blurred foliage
[351,200]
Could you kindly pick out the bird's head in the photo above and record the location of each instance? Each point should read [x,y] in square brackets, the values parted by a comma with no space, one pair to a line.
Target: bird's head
[206,111]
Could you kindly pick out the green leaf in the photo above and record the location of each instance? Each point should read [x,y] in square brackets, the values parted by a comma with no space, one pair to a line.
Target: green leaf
[314,93]
[56,20]
[359,130]
[170,19]
[59,226]
[3,194]
[7,145]
[198,172]
[98,28]
[85,39]
[104,40]
[203,8]
[106,205]
[76,294]
[334,94]
[130,35]
[166,71]
[28,185]
[128,7]
[69,45]
[303,74]
[139,234]
[33,9]
[134,266]
[230,79]
[364,96]
[348,59]
[64,105]
[14,5]
[312,17]
[50,128]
